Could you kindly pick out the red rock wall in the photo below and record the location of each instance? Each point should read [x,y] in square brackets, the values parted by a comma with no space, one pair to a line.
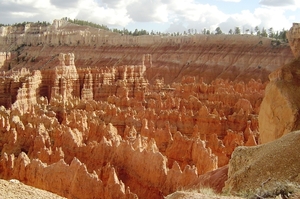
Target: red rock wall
[231,57]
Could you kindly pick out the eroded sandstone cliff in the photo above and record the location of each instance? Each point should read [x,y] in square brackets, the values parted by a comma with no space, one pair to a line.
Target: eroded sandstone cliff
[118,133]
[127,117]
[232,57]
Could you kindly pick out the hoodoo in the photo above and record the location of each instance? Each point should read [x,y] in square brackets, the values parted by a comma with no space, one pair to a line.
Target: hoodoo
[88,113]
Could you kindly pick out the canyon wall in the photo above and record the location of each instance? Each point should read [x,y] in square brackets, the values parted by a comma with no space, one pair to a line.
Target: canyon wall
[232,57]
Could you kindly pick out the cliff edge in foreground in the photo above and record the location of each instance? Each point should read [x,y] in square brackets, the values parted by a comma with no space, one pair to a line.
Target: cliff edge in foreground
[266,170]
[279,113]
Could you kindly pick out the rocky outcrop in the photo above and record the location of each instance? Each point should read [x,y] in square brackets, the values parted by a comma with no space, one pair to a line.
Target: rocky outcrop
[28,94]
[64,179]
[5,60]
[177,151]
[266,170]
[279,112]
[65,78]
[293,36]
[12,82]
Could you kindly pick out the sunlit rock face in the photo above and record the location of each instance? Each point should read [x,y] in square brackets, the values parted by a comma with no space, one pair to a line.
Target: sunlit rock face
[293,36]
[279,112]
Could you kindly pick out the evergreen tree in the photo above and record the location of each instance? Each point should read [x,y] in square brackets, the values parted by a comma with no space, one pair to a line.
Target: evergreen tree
[256,29]
[282,35]
[264,33]
[218,31]
[237,30]
[271,33]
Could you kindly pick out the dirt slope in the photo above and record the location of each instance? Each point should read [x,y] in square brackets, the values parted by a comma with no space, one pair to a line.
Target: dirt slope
[193,195]
[266,170]
[14,189]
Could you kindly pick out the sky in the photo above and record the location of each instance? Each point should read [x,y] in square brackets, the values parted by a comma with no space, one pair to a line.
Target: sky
[159,15]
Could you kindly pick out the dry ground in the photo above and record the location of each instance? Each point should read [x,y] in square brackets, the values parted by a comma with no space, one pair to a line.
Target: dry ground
[13,189]
[192,195]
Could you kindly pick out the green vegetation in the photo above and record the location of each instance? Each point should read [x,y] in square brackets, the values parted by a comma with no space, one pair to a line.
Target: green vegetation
[206,32]
[39,23]
[237,30]
[218,31]
[86,23]
[278,35]
[104,27]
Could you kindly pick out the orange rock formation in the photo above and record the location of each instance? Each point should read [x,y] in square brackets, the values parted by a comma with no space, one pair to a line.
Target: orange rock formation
[279,113]
[131,117]
[293,36]
[118,133]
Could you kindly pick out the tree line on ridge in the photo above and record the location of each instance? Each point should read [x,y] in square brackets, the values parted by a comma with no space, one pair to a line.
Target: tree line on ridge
[278,35]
